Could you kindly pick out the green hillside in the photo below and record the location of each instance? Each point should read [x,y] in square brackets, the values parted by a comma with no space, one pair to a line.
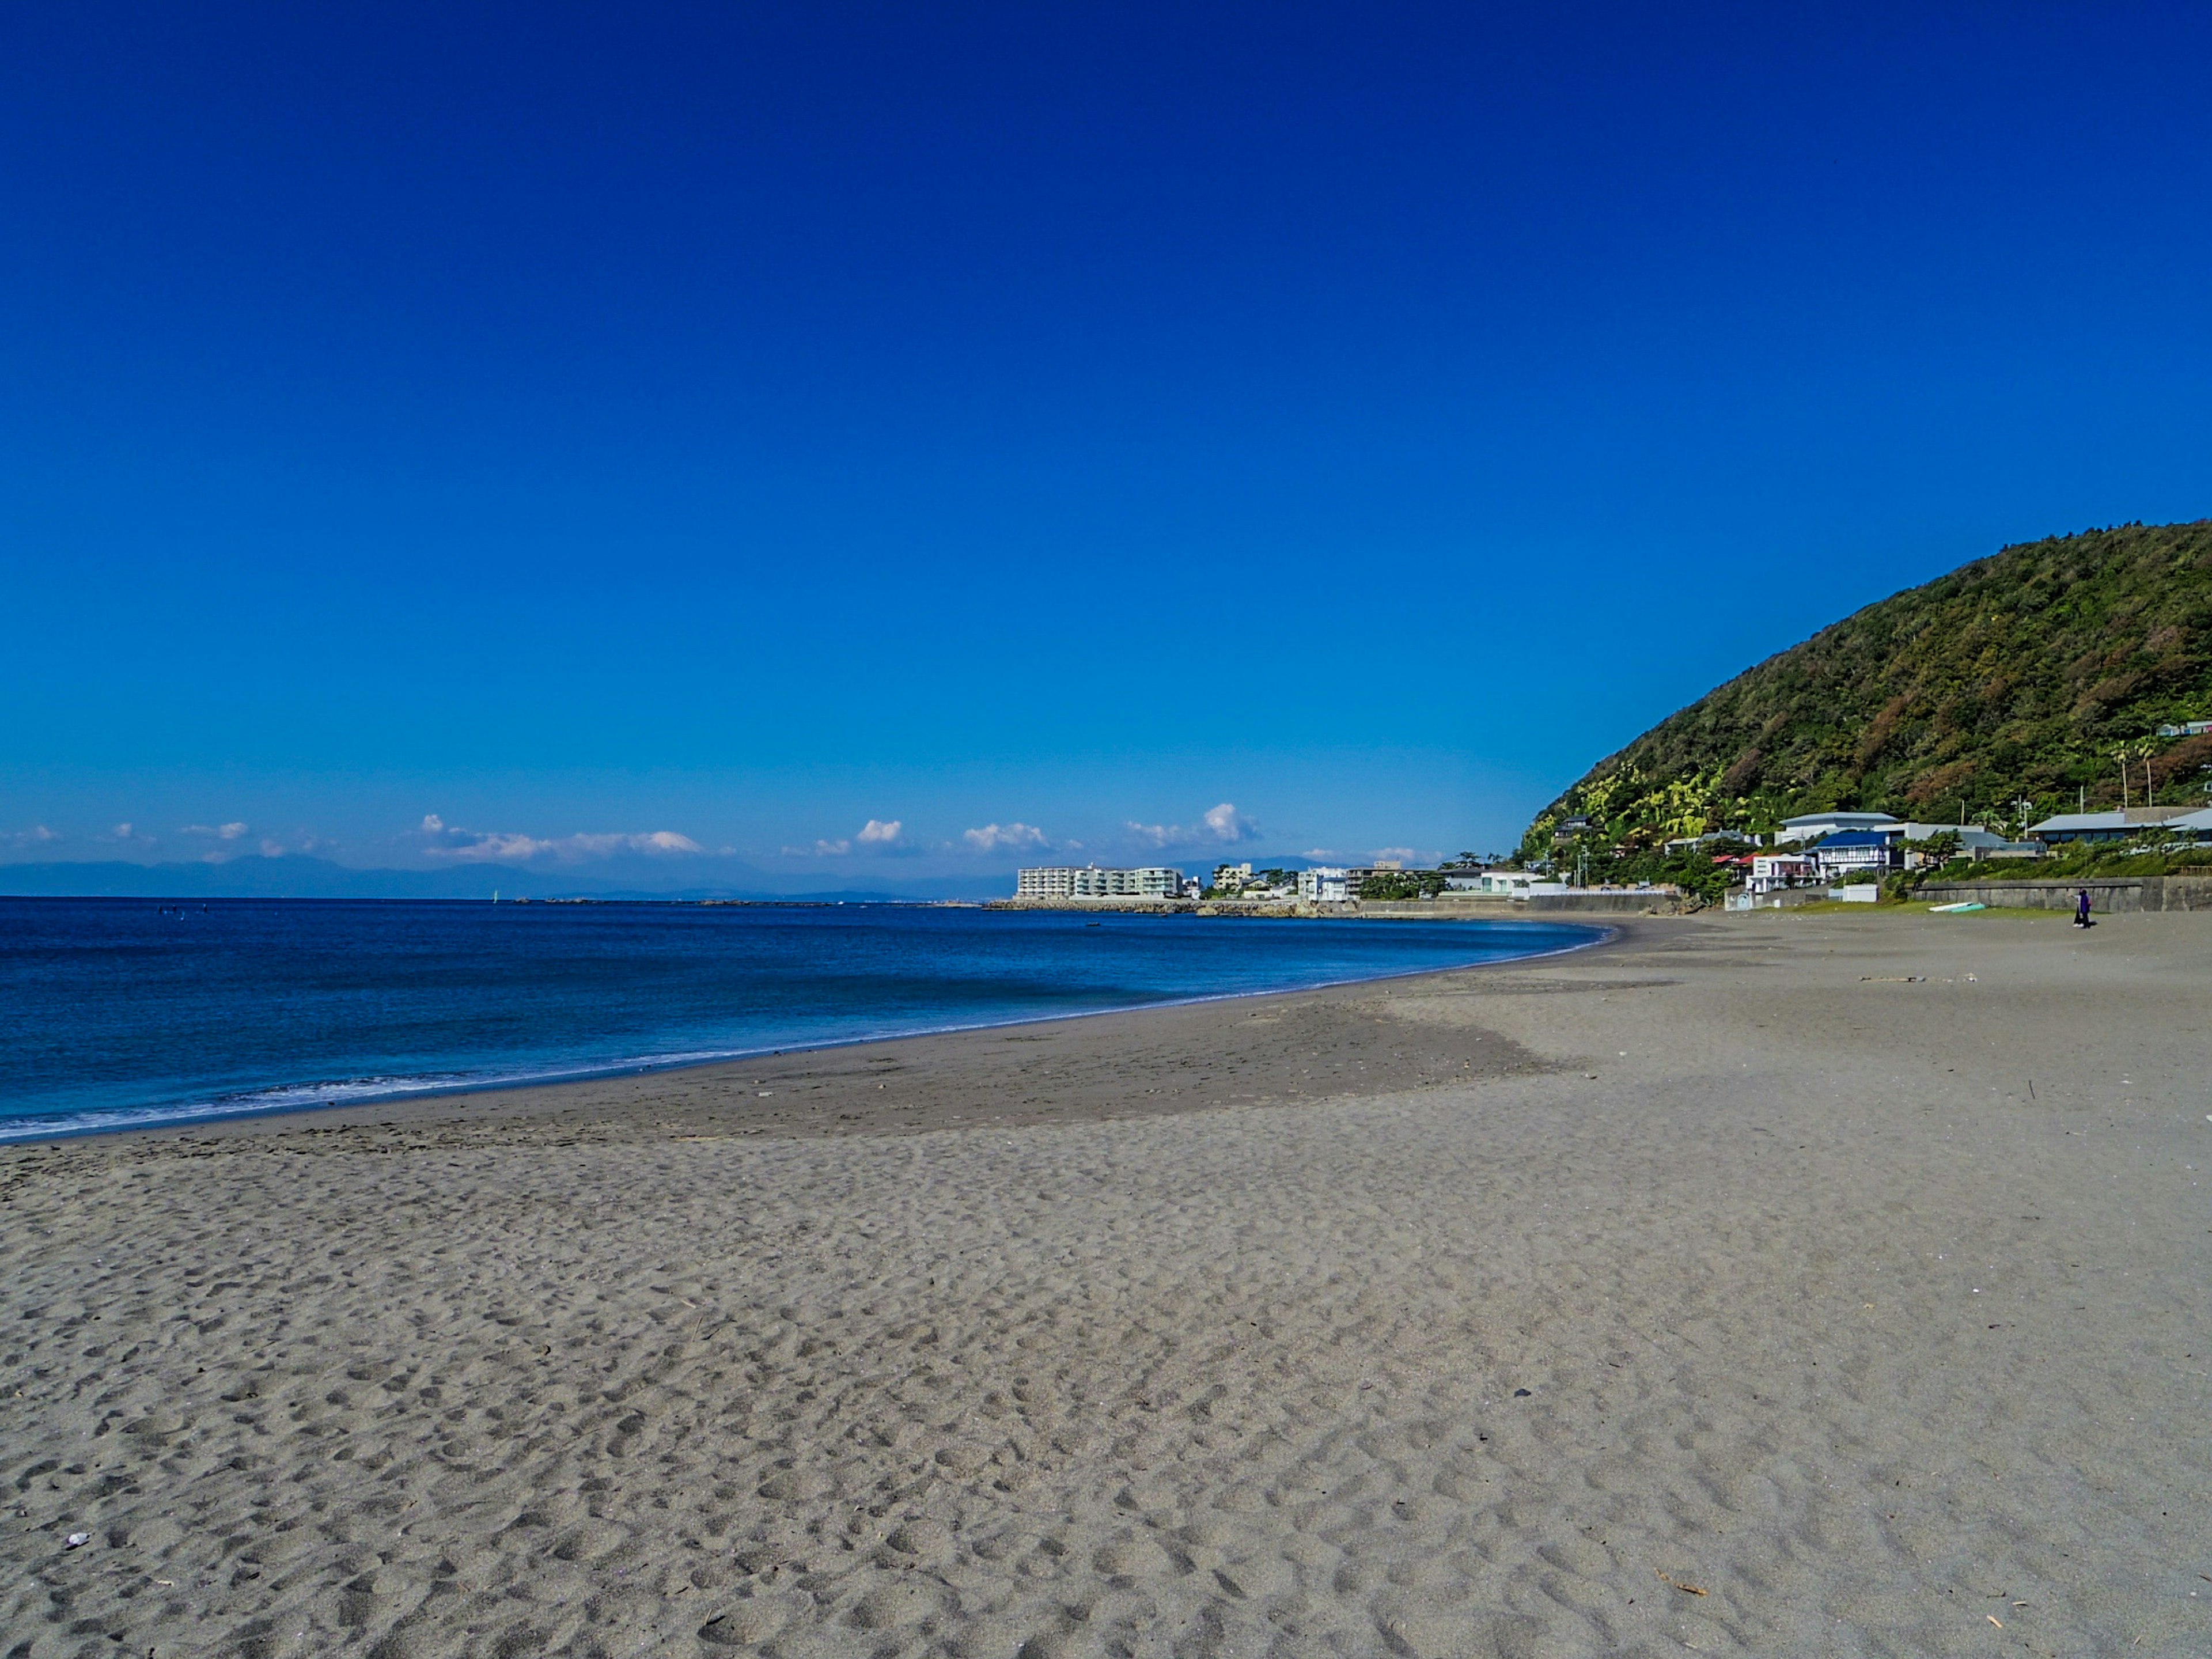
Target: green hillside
[2024,675]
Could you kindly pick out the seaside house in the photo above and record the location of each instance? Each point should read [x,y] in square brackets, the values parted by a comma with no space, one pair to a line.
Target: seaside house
[1356,879]
[1324,884]
[2122,823]
[1231,877]
[1814,825]
[1828,827]
[1855,850]
[2186,729]
[1772,872]
[1505,884]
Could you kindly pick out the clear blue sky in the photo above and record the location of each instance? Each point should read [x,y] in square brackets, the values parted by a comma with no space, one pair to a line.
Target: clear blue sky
[740,425]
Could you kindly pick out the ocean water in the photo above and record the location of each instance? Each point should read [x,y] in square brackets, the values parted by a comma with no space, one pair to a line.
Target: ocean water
[118,1013]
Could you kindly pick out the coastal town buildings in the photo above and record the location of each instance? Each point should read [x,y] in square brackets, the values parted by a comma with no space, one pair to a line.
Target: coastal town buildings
[2180,823]
[1089,881]
[1830,830]
[1813,826]
[1324,884]
[1357,878]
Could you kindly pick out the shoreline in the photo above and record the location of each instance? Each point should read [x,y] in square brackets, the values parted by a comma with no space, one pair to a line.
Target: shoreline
[602,1091]
[1759,1283]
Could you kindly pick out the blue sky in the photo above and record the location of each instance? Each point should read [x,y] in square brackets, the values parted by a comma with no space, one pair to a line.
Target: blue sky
[580,436]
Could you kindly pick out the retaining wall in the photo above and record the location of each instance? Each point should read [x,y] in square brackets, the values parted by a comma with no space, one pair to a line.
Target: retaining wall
[2108,894]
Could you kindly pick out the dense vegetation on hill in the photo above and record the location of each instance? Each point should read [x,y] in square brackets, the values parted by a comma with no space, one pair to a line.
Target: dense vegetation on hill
[2003,690]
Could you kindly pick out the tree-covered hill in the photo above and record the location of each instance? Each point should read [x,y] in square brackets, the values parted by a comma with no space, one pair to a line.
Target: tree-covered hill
[2024,676]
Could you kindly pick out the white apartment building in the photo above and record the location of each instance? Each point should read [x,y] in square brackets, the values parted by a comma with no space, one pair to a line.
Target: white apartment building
[1324,885]
[1089,881]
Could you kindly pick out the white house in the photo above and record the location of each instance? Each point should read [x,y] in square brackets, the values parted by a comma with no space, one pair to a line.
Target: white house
[1506,883]
[1771,871]
[1895,831]
[1814,825]
[1855,850]
[1323,885]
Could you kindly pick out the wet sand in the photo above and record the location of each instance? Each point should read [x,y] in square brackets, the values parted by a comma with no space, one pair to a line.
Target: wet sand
[1767,1284]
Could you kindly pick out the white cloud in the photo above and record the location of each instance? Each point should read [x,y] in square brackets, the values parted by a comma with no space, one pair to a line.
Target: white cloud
[1403,854]
[1010,837]
[224,835]
[875,833]
[447,841]
[129,836]
[1222,824]
[820,849]
[37,836]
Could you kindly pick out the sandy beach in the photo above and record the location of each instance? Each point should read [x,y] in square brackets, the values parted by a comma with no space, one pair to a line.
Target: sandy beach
[1760,1285]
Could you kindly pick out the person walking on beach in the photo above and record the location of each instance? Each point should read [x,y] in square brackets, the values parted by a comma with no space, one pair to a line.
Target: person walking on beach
[2081,910]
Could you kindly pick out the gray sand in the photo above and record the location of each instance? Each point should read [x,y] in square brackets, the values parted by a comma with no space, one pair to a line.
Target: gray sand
[1726,1288]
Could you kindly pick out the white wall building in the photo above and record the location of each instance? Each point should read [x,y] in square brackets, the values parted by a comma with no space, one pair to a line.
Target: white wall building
[1511,883]
[1089,881]
[1323,885]
[1895,831]
[1857,850]
[1814,825]
[1771,871]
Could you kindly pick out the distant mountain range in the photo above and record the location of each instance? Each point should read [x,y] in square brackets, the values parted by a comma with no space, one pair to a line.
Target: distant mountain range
[313,878]
[2031,675]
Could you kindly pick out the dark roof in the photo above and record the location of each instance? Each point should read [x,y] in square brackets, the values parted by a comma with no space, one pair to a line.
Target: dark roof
[1854,838]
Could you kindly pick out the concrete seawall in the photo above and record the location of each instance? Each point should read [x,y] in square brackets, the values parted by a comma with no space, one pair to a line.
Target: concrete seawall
[1463,908]
[2108,894]
[1625,903]
[1135,907]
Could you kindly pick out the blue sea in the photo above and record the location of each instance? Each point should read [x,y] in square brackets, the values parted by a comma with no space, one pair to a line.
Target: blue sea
[129,1013]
